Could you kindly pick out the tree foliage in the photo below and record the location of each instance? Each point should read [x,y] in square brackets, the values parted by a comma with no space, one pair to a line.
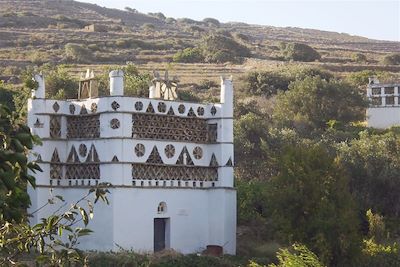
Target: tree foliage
[59,83]
[189,55]
[269,83]
[16,140]
[391,59]
[373,162]
[219,49]
[299,52]
[310,203]
[313,102]
[301,257]
[77,53]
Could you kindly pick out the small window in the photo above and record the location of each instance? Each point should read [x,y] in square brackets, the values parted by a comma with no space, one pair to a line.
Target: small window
[376,101]
[390,100]
[389,90]
[376,91]
[162,207]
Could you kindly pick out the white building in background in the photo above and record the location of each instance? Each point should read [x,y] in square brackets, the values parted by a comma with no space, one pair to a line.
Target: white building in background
[170,164]
[384,109]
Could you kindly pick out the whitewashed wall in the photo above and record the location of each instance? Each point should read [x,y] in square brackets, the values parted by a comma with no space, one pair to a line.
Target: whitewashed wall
[198,217]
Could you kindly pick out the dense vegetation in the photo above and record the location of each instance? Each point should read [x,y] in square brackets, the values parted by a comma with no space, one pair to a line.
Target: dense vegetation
[307,172]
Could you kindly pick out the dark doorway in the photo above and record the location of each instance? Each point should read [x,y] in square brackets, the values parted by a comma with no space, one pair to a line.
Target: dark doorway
[160,226]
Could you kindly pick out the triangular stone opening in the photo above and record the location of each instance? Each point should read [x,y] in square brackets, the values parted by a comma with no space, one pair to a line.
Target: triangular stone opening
[55,157]
[184,158]
[150,108]
[83,110]
[154,157]
[229,162]
[92,156]
[171,111]
[191,113]
[115,159]
[213,162]
[73,156]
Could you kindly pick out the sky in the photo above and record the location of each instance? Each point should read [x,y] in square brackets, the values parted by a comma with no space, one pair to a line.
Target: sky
[379,19]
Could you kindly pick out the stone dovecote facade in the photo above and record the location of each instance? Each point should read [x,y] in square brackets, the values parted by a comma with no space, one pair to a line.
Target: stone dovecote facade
[170,164]
[384,107]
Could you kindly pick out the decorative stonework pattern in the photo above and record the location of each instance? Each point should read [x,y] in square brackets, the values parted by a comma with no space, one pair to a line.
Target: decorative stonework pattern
[212,130]
[154,157]
[162,107]
[169,151]
[55,166]
[191,113]
[197,152]
[213,161]
[140,150]
[181,108]
[38,124]
[114,124]
[55,126]
[200,111]
[72,109]
[151,126]
[213,110]
[115,159]
[83,126]
[93,107]
[138,105]
[56,107]
[83,110]
[150,108]
[115,105]
[171,111]
[229,163]
[90,169]
[184,158]
[164,172]
[82,150]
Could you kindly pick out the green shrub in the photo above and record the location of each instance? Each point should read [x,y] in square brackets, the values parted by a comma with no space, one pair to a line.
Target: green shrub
[211,22]
[241,36]
[206,85]
[299,52]
[93,47]
[313,102]
[77,53]
[59,84]
[123,43]
[392,59]
[188,96]
[189,55]
[310,202]
[148,27]
[359,57]
[6,96]
[170,20]
[375,254]
[157,15]
[187,21]
[268,83]
[219,49]
[301,257]
[194,29]
[265,83]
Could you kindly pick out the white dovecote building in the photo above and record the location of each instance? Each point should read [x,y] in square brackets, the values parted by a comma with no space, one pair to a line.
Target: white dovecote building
[170,164]
[384,108]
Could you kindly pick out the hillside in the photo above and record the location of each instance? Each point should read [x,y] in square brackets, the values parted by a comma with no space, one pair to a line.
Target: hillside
[36,32]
